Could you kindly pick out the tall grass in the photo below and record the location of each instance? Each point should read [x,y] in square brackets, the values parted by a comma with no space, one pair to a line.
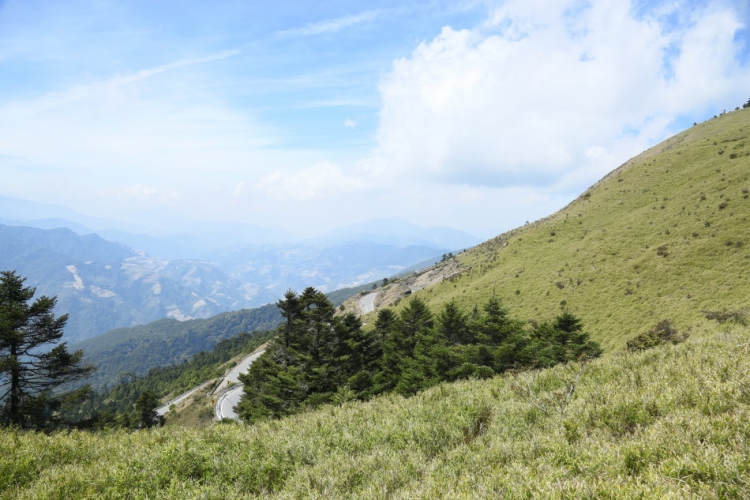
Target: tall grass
[671,421]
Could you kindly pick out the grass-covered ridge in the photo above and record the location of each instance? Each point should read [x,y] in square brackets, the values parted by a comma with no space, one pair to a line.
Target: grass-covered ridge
[663,236]
[666,422]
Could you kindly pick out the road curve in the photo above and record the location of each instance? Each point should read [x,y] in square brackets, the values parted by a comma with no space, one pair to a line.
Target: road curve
[230,397]
[227,401]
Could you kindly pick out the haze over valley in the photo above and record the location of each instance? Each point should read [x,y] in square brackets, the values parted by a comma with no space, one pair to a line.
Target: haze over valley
[110,283]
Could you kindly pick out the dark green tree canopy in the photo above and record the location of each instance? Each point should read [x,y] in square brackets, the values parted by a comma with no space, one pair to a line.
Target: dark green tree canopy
[320,358]
[29,376]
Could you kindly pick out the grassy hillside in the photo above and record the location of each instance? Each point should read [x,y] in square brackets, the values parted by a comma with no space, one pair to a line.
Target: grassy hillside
[670,422]
[664,236]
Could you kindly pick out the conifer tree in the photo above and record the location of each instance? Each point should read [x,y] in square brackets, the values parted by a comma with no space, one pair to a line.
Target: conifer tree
[414,321]
[290,311]
[385,323]
[560,341]
[145,409]
[28,375]
[453,324]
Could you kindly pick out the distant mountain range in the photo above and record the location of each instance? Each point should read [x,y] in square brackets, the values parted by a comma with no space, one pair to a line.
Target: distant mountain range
[207,239]
[105,284]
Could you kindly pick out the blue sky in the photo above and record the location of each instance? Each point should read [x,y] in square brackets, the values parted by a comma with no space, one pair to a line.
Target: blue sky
[477,115]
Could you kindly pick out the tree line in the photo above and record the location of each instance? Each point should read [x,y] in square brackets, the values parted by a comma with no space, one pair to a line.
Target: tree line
[318,357]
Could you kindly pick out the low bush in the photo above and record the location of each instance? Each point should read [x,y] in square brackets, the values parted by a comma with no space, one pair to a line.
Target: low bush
[725,316]
[663,333]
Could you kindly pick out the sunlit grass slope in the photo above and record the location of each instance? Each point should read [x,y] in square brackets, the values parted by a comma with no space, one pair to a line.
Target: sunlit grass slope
[670,422]
[666,235]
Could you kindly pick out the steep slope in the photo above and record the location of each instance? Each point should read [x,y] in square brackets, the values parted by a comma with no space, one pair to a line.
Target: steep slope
[663,236]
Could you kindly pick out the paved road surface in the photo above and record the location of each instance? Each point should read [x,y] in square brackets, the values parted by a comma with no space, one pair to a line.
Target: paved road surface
[163,410]
[367,303]
[225,405]
[227,402]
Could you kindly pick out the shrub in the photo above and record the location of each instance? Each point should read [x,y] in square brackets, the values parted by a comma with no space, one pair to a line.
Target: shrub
[664,332]
[726,316]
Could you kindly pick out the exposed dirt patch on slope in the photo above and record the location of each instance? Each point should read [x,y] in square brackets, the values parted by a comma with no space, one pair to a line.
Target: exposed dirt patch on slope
[394,291]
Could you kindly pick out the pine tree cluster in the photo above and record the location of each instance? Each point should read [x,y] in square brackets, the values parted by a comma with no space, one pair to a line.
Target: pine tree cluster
[320,358]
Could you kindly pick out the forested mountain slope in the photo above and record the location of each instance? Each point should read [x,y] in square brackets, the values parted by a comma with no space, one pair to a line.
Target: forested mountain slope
[137,349]
[666,235]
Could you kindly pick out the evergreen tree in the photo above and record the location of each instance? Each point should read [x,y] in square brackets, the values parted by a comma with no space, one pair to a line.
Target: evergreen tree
[496,326]
[429,363]
[453,325]
[29,376]
[315,354]
[357,357]
[318,324]
[385,323]
[572,339]
[290,311]
[322,358]
[145,410]
[414,321]
[560,341]
[274,386]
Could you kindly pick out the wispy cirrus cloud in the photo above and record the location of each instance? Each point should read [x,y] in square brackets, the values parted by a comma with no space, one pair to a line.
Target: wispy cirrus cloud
[140,75]
[331,25]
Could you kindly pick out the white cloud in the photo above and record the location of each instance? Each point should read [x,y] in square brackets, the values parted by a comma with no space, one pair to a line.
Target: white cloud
[331,25]
[548,92]
[349,123]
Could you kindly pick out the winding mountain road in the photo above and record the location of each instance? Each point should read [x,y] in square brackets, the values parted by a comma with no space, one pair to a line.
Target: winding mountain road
[227,401]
